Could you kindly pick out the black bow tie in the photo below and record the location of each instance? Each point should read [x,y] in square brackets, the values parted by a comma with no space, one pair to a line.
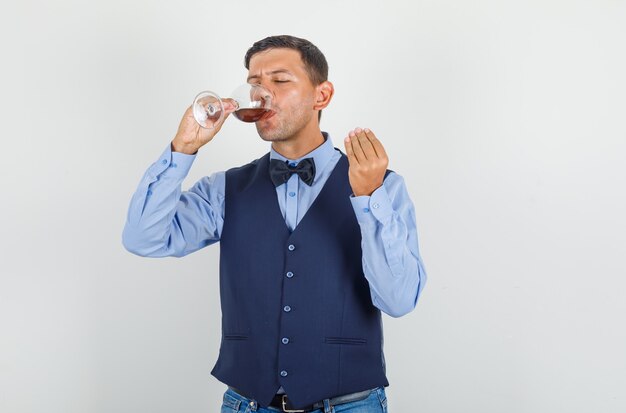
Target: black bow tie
[281,171]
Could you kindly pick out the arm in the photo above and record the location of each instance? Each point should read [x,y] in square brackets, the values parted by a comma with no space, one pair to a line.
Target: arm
[391,259]
[164,221]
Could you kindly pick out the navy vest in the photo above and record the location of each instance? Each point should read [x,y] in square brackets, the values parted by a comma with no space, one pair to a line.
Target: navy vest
[296,307]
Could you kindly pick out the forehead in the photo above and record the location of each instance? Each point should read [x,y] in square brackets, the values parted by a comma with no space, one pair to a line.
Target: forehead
[275,59]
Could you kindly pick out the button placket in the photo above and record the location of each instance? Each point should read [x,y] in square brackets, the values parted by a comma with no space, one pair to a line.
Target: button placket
[289,317]
[291,201]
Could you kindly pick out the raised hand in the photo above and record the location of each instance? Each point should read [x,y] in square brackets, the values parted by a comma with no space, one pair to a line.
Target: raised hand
[368,161]
[190,136]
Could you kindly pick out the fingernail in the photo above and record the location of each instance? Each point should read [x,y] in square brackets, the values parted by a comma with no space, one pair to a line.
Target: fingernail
[367,130]
[358,130]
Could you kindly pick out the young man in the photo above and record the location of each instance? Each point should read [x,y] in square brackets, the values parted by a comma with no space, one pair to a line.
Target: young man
[313,243]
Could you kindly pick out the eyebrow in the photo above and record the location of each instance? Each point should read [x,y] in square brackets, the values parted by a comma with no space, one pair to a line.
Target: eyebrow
[273,72]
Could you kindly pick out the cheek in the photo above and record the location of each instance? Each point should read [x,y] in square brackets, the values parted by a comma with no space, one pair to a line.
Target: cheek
[288,97]
[293,97]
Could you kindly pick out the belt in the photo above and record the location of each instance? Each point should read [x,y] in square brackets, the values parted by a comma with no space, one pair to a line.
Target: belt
[281,401]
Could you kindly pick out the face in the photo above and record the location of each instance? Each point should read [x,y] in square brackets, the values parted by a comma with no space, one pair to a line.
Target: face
[282,72]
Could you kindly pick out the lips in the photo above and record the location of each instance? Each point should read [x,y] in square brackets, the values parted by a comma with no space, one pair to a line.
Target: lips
[269,114]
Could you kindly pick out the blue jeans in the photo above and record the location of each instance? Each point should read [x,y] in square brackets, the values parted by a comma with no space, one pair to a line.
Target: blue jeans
[376,402]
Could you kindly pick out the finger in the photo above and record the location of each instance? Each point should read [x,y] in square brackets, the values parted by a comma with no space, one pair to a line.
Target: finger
[356,147]
[349,152]
[229,105]
[378,147]
[188,113]
[366,145]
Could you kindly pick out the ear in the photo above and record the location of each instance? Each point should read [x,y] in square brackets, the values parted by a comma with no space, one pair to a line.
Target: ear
[323,94]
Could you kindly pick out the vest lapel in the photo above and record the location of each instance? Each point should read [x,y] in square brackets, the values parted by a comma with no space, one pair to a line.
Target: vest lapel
[333,181]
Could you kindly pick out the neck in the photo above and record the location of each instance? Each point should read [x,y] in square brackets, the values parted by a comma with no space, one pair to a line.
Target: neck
[301,144]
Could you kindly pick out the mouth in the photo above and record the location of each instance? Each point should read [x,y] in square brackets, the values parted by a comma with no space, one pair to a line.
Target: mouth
[270,114]
[267,115]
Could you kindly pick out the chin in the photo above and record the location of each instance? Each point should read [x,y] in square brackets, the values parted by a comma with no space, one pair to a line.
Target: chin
[270,134]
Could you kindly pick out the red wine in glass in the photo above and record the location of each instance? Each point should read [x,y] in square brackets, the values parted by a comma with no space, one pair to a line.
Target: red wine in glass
[253,103]
[251,115]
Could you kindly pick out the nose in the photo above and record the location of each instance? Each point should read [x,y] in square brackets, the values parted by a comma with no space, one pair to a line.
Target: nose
[264,94]
[267,86]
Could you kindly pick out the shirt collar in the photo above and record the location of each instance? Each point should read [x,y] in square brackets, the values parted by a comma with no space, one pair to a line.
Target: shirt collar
[321,155]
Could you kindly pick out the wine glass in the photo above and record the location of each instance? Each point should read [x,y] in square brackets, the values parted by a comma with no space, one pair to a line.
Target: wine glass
[252,103]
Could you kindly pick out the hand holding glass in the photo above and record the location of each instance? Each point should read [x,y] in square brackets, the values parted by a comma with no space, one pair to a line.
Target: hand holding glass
[252,103]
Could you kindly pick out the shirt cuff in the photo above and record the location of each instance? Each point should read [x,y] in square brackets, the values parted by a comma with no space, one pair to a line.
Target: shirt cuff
[376,207]
[175,164]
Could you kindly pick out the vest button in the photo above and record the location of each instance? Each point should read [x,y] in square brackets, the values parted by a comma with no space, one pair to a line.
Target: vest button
[283,373]
[285,340]
[291,247]
[289,274]
[287,308]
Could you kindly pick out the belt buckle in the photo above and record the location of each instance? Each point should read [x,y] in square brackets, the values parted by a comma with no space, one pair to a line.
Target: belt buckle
[284,396]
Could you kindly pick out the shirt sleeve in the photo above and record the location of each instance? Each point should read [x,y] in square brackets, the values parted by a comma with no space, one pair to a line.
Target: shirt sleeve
[163,220]
[391,258]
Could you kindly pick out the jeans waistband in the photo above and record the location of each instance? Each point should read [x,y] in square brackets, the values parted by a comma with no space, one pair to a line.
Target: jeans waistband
[277,402]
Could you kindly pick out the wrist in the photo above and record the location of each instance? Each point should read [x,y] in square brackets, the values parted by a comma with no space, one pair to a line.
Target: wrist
[366,191]
[184,148]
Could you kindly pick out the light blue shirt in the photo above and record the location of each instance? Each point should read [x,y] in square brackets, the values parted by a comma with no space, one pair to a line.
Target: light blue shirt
[165,221]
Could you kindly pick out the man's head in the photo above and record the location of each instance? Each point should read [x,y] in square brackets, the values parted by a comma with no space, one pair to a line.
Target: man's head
[296,72]
[313,59]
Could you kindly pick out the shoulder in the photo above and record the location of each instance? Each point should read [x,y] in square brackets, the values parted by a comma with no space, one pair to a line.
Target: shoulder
[242,177]
[248,168]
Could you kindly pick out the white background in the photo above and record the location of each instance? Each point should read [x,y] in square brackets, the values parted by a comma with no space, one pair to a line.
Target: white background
[507,120]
